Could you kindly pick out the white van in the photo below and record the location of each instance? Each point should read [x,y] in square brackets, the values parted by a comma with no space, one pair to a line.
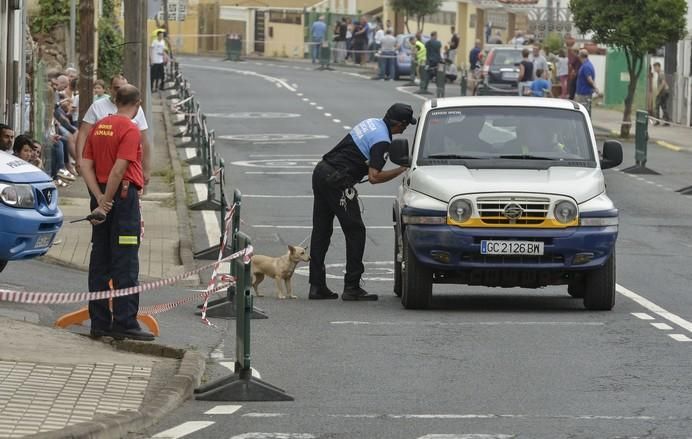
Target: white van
[505,192]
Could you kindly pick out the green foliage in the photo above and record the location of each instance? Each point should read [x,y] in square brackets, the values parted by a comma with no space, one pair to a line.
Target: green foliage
[553,43]
[111,44]
[416,8]
[637,27]
[51,14]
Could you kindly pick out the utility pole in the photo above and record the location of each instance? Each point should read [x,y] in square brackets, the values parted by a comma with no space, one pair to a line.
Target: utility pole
[87,64]
[71,56]
[165,17]
[135,54]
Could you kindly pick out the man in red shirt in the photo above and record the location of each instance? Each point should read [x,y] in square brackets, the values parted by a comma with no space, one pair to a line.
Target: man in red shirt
[112,169]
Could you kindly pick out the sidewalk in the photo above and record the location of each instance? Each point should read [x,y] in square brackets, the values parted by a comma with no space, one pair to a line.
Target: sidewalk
[672,137]
[159,252]
[56,384]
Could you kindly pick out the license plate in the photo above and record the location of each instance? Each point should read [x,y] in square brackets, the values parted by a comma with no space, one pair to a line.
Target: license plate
[43,240]
[510,76]
[511,248]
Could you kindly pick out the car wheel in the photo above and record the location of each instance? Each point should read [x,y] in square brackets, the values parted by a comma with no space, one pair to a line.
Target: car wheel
[577,288]
[398,258]
[416,281]
[600,287]
[3,264]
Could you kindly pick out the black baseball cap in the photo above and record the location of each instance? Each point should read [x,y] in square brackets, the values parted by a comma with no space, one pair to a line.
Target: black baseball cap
[401,113]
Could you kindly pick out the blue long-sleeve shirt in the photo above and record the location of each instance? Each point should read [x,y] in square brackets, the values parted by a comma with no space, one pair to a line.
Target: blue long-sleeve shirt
[318,30]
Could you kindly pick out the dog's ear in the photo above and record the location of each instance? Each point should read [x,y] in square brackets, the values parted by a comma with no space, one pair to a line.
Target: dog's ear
[291,249]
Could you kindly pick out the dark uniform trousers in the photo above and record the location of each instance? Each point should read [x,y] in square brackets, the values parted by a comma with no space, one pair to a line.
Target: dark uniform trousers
[114,256]
[327,204]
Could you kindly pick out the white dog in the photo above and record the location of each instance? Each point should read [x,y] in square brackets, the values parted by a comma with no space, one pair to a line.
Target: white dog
[280,269]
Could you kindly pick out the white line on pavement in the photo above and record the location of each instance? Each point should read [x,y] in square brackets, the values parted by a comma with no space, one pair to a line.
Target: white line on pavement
[403,90]
[646,303]
[274,436]
[285,155]
[336,120]
[319,108]
[184,429]
[643,316]
[328,114]
[299,94]
[190,152]
[347,127]
[223,410]
[468,436]
[231,366]
[313,103]
[305,99]
[195,170]
[264,415]
[679,337]
[662,326]
[242,72]
[277,142]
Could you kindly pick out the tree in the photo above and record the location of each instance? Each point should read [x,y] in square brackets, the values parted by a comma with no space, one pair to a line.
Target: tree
[636,27]
[110,43]
[415,8]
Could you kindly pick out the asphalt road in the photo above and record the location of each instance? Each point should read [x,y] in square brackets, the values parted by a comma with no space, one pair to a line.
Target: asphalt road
[483,363]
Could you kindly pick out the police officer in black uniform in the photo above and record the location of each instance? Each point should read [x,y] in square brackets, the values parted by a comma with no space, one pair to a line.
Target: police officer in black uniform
[363,152]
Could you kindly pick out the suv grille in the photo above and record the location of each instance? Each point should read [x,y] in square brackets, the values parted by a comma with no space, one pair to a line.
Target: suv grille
[512,210]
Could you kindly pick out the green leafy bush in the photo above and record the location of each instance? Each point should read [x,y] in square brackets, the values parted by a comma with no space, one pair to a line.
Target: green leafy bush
[51,14]
[111,44]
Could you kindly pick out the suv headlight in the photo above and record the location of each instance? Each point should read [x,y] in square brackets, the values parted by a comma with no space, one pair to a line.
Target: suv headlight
[565,211]
[460,210]
[17,195]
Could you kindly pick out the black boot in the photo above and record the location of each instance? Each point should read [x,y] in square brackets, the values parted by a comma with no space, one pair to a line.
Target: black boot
[357,293]
[321,293]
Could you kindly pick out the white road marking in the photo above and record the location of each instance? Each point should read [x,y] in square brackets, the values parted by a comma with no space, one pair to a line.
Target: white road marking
[309,196]
[190,152]
[328,114]
[294,85]
[299,94]
[468,436]
[679,337]
[336,120]
[487,323]
[305,99]
[230,365]
[643,316]
[319,108]
[278,142]
[264,415]
[313,103]
[646,303]
[184,429]
[278,173]
[242,72]
[274,436]
[662,326]
[347,127]
[403,90]
[357,75]
[223,410]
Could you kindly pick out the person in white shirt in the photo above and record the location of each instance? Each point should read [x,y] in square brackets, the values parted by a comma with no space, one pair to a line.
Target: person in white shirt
[106,107]
[157,60]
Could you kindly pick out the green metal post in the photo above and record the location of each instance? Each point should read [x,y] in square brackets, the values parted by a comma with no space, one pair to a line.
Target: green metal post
[463,82]
[243,308]
[441,79]
[641,137]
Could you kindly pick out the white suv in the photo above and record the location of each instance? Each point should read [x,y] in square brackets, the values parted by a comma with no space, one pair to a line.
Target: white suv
[505,192]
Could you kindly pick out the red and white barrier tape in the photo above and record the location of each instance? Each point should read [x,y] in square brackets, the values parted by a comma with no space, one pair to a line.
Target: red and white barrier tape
[164,307]
[228,222]
[44,297]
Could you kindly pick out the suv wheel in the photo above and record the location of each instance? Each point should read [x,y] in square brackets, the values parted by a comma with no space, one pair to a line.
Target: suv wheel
[416,281]
[600,287]
[3,264]
[398,258]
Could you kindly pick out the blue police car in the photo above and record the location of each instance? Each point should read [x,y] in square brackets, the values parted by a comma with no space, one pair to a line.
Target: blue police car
[29,213]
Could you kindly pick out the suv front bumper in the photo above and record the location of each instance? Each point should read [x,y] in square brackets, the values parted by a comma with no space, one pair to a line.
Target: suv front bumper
[452,248]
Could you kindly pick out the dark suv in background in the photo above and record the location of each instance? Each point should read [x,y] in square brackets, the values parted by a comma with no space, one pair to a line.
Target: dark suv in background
[500,75]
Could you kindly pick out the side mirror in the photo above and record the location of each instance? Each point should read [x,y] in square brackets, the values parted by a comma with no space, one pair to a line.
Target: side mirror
[612,154]
[398,152]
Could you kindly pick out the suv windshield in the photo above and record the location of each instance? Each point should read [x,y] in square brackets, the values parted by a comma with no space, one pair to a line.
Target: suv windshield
[530,133]
[506,57]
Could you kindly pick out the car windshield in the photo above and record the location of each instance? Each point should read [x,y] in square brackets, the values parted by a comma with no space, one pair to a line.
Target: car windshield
[530,133]
[506,57]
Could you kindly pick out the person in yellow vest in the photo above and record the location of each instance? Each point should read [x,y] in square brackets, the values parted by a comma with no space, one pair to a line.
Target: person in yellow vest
[421,54]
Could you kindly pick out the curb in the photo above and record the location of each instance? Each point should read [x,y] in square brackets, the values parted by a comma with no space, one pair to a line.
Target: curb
[180,388]
[661,143]
[184,231]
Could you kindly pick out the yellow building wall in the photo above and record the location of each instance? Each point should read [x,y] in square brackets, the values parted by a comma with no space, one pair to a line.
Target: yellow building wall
[286,42]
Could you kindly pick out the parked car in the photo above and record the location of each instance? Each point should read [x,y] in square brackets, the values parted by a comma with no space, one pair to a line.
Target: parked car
[500,73]
[402,66]
[29,213]
[505,192]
